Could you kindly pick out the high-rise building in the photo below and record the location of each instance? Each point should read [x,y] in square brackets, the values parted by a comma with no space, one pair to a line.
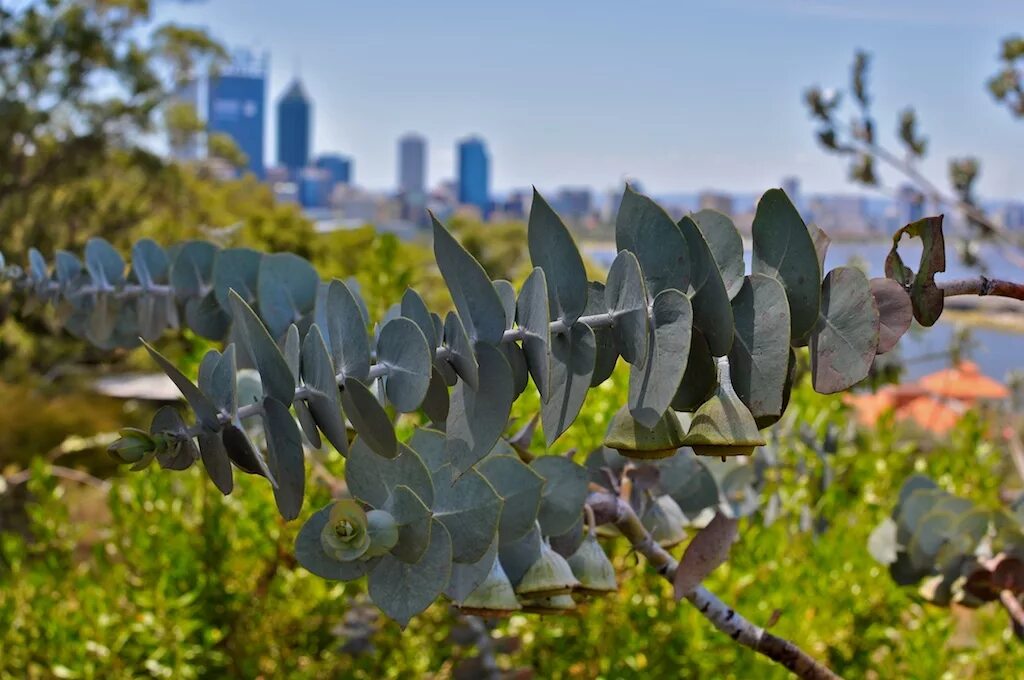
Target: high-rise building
[338,167]
[412,164]
[474,174]
[235,105]
[573,203]
[294,114]
[716,200]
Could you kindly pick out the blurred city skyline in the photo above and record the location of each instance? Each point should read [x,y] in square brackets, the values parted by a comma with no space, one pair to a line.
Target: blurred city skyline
[706,97]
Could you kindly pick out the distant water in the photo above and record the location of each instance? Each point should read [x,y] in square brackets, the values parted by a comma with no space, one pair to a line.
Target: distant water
[924,350]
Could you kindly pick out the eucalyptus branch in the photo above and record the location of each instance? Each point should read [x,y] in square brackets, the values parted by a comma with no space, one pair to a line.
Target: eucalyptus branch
[983,286]
[609,509]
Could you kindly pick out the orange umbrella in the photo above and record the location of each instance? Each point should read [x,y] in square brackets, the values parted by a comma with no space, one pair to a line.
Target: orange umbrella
[964,382]
[929,414]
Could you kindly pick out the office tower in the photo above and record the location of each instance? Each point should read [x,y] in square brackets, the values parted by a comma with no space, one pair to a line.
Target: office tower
[715,200]
[294,113]
[235,105]
[412,165]
[338,167]
[573,203]
[474,174]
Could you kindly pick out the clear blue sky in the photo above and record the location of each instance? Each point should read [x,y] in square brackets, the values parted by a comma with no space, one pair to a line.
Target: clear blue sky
[680,95]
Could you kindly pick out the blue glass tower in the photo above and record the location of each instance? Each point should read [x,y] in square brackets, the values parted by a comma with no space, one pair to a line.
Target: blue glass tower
[474,174]
[339,167]
[235,107]
[294,111]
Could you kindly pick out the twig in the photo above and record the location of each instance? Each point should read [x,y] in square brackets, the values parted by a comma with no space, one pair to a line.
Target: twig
[608,509]
[19,478]
[983,286]
[1013,607]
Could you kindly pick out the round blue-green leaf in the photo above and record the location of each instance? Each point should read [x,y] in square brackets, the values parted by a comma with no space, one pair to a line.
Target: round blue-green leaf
[626,300]
[565,491]
[216,461]
[653,385]
[470,508]
[369,418]
[519,555]
[520,488]
[236,269]
[285,290]
[759,358]
[430,445]
[403,590]
[643,228]
[372,479]
[67,268]
[475,299]
[700,378]
[277,377]
[243,454]
[553,250]
[307,423]
[309,551]
[223,383]
[403,350]
[784,250]
[206,412]
[37,269]
[149,263]
[105,264]
[414,520]
[516,358]
[534,318]
[292,350]
[726,246]
[285,457]
[192,269]
[712,314]
[168,420]
[319,376]
[572,365]
[460,350]
[466,578]
[845,339]
[507,294]
[413,307]
[346,331]
[476,418]
[687,481]
[604,336]
[435,403]
[206,318]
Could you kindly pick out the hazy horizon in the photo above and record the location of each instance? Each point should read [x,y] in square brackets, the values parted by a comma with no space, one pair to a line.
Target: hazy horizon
[681,99]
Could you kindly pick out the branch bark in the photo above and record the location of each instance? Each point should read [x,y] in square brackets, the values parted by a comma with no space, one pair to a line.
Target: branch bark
[609,509]
[983,286]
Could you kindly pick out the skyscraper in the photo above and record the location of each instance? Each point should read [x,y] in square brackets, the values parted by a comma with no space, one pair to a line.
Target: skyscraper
[339,167]
[474,174]
[235,105]
[294,111]
[412,165]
